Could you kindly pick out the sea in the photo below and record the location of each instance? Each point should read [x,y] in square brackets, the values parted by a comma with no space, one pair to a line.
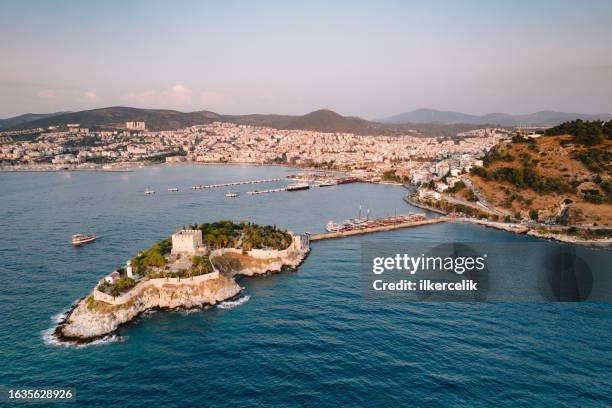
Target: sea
[309,337]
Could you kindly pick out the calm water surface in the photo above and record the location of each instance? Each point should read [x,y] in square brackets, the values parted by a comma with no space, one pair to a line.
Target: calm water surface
[302,338]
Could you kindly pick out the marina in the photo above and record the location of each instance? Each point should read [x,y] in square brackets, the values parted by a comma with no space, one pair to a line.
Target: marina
[365,223]
[375,228]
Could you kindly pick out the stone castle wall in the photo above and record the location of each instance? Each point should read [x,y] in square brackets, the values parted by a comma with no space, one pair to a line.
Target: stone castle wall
[291,250]
[158,283]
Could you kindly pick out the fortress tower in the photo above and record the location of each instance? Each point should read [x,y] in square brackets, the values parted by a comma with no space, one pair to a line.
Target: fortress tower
[187,242]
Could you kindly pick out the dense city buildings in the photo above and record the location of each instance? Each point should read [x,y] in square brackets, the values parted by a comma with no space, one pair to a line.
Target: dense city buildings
[418,159]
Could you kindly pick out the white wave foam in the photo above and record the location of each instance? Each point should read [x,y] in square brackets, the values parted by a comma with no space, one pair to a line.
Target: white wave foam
[189,311]
[60,317]
[230,304]
[147,314]
[50,339]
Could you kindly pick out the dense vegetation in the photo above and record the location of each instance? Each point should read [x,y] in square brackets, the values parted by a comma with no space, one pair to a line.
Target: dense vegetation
[122,285]
[584,132]
[154,256]
[524,177]
[391,175]
[596,160]
[247,236]
[461,209]
[460,185]
[494,155]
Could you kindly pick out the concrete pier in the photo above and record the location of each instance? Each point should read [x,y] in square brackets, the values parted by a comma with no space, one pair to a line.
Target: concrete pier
[409,224]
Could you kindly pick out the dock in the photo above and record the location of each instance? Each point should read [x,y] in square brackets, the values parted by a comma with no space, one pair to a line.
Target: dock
[235,183]
[273,190]
[408,224]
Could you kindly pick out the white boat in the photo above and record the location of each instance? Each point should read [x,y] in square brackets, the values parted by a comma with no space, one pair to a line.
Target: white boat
[331,226]
[328,183]
[80,239]
[173,189]
[148,191]
[231,195]
[298,186]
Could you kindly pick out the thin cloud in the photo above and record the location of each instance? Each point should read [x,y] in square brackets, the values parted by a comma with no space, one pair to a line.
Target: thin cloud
[177,95]
[89,97]
[47,94]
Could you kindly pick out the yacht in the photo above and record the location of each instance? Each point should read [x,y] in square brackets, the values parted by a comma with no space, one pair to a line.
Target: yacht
[328,183]
[173,189]
[331,227]
[229,194]
[80,239]
[298,186]
[148,191]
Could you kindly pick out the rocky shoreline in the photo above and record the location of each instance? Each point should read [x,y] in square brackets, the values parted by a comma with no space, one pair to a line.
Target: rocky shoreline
[518,228]
[89,320]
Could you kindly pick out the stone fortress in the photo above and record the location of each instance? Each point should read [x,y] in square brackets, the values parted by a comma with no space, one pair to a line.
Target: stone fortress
[188,242]
[101,313]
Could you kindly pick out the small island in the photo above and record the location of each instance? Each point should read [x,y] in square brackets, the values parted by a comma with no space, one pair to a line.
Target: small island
[193,268]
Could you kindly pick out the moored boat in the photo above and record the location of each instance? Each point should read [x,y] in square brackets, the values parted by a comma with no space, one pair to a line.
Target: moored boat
[331,227]
[230,194]
[298,186]
[328,183]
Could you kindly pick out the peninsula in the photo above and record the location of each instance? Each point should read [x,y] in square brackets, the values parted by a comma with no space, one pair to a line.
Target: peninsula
[193,268]
[554,184]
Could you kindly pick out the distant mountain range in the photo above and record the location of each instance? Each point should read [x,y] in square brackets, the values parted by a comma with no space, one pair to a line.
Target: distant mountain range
[25,118]
[541,118]
[423,121]
[160,119]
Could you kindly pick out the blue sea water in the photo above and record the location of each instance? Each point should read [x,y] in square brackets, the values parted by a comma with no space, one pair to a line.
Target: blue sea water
[298,338]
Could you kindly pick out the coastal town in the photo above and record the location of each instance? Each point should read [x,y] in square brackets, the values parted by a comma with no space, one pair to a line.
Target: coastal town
[440,173]
[374,157]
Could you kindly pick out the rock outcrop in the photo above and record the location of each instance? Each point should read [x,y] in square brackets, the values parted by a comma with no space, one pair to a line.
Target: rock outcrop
[92,319]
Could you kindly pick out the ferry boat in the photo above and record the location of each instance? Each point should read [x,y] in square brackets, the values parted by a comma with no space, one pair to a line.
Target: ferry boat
[80,239]
[229,194]
[148,191]
[173,189]
[298,186]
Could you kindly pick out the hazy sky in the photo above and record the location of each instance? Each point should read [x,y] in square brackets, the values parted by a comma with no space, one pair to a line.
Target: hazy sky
[370,59]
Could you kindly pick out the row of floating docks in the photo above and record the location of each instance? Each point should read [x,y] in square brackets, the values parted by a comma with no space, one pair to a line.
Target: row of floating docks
[272,190]
[298,186]
[236,183]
